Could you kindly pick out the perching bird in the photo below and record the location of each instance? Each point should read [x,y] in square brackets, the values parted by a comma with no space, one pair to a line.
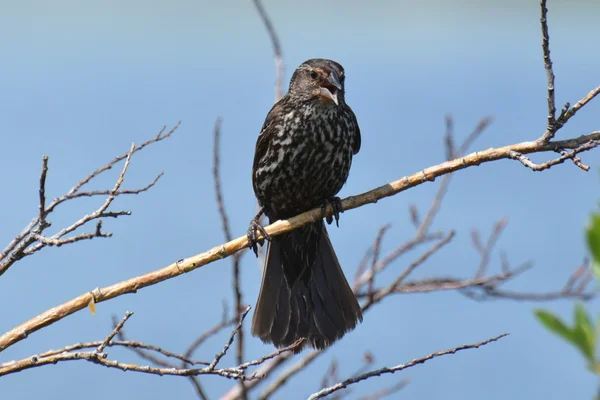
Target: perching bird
[302,160]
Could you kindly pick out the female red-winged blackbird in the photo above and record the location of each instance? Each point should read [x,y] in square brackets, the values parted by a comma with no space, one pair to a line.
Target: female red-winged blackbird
[302,160]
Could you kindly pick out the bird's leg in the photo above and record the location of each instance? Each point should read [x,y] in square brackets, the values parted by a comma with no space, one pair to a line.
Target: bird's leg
[336,203]
[253,230]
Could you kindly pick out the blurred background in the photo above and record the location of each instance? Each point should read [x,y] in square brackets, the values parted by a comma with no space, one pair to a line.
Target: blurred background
[80,81]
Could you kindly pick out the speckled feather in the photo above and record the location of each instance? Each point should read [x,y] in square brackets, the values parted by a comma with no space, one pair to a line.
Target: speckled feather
[303,157]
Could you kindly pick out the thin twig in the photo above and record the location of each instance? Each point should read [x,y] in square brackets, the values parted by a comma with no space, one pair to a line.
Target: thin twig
[21,247]
[222,353]
[42,191]
[161,135]
[573,110]
[386,370]
[443,188]
[412,266]
[376,250]
[277,53]
[237,291]
[114,343]
[116,330]
[565,156]
[485,252]
[92,356]
[92,193]
[283,378]
[217,180]
[551,130]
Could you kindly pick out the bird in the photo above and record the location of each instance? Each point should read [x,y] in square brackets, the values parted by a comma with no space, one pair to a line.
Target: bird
[302,159]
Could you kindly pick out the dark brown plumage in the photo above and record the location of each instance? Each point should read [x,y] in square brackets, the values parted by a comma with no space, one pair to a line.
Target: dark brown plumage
[302,159]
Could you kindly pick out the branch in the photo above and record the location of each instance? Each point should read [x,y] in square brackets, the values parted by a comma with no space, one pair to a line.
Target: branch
[31,239]
[227,249]
[235,331]
[279,65]
[386,370]
[552,128]
[283,378]
[98,356]
[235,261]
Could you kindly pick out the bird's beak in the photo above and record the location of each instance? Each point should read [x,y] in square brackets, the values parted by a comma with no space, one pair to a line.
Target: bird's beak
[334,80]
[326,95]
[330,88]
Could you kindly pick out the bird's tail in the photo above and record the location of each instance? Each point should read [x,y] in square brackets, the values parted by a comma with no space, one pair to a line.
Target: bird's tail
[304,293]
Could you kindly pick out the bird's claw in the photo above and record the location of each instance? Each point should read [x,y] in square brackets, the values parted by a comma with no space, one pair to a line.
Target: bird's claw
[336,204]
[252,235]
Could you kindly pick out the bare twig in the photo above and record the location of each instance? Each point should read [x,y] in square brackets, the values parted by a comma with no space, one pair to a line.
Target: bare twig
[393,256]
[217,181]
[368,360]
[42,191]
[287,374]
[92,193]
[376,250]
[565,156]
[277,53]
[264,370]
[146,351]
[450,151]
[379,295]
[552,128]
[100,358]
[492,292]
[474,135]
[235,331]
[386,370]
[576,275]
[161,135]
[449,139]
[21,245]
[289,349]
[237,291]
[114,333]
[113,343]
[573,110]
[485,252]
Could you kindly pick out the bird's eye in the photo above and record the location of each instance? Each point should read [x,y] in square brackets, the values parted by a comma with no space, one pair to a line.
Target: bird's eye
[314,75]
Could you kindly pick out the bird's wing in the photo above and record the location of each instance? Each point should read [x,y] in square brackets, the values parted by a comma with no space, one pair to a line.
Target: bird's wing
[356,147]
[270,127]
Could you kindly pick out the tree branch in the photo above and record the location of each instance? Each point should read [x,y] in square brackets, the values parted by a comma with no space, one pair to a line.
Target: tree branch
[227,249]
[386,370]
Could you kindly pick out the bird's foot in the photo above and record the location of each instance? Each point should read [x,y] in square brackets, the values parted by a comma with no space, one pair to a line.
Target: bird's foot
[336,203]
[252,235]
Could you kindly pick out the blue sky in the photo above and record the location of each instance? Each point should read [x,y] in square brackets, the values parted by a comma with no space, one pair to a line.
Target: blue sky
[80,81]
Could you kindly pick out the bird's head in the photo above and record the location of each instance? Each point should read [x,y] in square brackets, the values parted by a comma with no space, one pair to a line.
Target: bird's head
[319,79]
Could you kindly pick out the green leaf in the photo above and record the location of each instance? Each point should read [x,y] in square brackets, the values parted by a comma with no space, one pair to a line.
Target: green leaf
[555,325]
[596,269]
[584,333]
[593,236]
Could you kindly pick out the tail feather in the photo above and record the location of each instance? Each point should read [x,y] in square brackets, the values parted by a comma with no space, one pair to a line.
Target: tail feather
[304,293]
